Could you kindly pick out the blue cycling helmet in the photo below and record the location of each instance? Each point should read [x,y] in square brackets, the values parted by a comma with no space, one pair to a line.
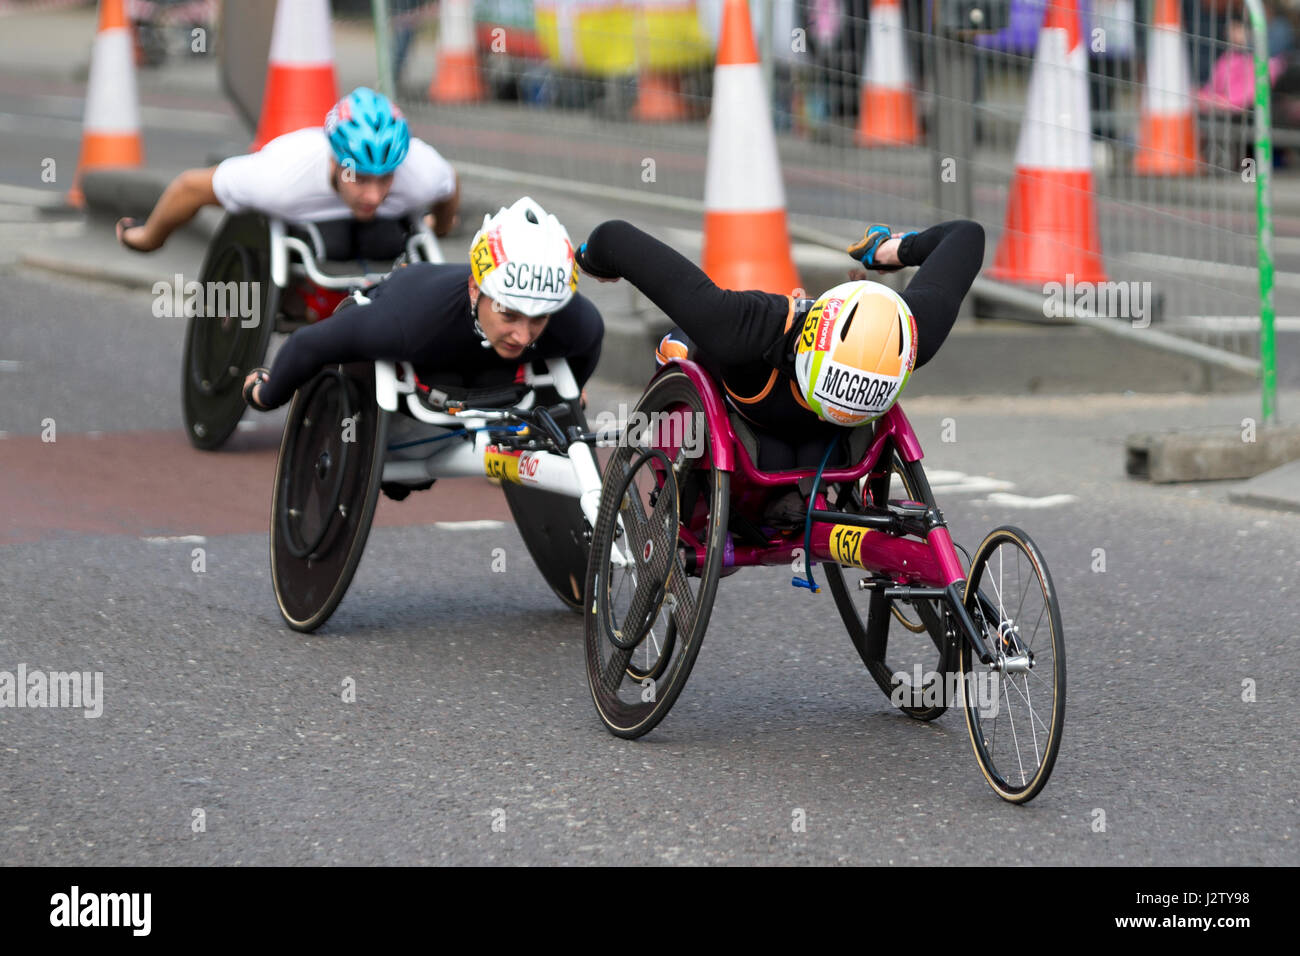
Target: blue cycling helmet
[366,131]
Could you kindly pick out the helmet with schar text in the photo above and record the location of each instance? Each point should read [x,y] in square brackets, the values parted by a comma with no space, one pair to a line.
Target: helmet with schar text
[522,258]
[855,353]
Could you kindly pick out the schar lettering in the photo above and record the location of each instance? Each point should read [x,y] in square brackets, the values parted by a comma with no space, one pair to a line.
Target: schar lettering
[525,277]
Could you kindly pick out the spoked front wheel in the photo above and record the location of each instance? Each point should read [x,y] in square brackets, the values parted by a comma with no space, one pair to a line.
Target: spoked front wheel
[1015,706]
[656,558]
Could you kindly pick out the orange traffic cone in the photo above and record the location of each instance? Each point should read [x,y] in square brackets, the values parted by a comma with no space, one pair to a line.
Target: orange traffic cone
[457,79]
[1051,225]
[887,116]
[746,239]
[1167,130]
[659,98]
[111,135]
[300,83]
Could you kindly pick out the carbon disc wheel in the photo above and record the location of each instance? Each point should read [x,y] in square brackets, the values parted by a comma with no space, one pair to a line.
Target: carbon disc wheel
[326,486]
[222,343]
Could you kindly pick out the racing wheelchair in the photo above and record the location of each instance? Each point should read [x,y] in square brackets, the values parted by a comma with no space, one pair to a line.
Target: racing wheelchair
[290,275]
[684,504]
[356,428]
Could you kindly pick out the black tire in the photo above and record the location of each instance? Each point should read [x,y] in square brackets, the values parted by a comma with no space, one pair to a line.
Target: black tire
[899,643]
[634,687]
[325,492]
[552,525]
[219,349]
[1016,744]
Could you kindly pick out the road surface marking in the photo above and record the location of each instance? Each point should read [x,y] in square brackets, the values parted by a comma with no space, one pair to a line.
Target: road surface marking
[1021,501]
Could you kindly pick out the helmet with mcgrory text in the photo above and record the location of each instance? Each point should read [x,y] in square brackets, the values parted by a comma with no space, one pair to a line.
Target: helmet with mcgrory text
[856,352]
[367,132]
[522,258]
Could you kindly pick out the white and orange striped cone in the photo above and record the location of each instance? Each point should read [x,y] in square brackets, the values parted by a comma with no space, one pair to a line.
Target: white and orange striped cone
[111,128]
[457,78]
[300,81]
[887,116]
[1167,130]
[1051,224]
[746,238]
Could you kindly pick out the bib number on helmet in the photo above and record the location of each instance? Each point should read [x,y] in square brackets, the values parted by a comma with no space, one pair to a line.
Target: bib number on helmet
[846,544]
[816,335]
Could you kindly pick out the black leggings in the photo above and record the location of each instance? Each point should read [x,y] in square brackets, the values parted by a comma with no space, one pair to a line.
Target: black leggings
[741,336]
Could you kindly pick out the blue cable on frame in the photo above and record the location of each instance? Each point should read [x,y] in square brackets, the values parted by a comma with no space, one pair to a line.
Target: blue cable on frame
[809,582]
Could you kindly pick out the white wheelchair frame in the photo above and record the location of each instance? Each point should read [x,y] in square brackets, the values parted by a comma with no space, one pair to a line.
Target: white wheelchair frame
[477,453]
[421,246]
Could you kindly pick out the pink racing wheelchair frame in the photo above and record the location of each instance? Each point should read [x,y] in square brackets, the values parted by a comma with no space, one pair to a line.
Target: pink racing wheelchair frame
[873,540]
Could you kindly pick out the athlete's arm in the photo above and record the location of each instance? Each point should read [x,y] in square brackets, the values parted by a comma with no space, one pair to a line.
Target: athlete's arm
[446,213]
[950,256]
[357,333]
[184,196]
[733,327]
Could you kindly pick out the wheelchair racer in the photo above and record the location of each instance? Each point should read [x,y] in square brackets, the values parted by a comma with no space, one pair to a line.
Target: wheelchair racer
[764,348]
[359,174]
[472,326]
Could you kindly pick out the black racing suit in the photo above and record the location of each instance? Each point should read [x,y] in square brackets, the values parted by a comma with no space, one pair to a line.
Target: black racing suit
[747,339]
[421,314]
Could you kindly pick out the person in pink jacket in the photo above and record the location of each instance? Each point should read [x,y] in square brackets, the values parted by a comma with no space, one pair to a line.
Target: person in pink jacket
[1232,84]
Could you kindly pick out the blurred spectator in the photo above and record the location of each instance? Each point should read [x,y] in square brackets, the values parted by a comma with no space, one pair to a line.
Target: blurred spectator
[1231,86]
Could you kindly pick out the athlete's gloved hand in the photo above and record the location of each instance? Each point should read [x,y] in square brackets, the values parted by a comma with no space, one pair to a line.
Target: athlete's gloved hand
[865,249]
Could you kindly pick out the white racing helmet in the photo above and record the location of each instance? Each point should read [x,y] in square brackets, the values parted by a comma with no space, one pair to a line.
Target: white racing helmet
[522,258]
[856,352]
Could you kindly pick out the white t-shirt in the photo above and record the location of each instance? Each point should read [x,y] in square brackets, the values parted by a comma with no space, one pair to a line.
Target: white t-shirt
[289,178]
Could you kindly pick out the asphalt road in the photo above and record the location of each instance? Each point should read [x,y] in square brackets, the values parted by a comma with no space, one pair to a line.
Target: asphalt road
[471,705]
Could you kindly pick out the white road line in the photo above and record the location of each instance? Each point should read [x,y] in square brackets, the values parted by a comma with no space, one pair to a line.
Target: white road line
[468,525]
[176,539]
[957,482]
[1021,501]
[9,365]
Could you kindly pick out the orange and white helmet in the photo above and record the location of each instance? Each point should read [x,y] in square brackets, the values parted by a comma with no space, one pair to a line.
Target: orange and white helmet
[856,352]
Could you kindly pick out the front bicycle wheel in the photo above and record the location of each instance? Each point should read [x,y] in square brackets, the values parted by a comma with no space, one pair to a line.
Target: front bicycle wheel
[1015,706]
[656,558]
[905,645]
